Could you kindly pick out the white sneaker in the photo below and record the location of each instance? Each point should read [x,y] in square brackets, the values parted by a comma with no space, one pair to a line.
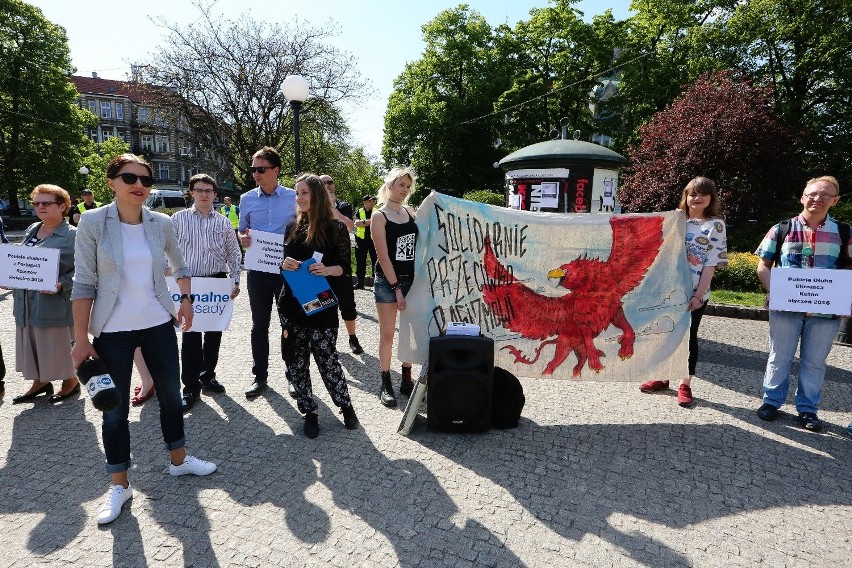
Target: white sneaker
[192,465]
[111,507]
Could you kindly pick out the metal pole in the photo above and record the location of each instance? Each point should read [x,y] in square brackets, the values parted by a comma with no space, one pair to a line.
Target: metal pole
[297,105]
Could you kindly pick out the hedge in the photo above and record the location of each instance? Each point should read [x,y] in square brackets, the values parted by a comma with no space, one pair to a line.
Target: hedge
[485,196]
[740,275]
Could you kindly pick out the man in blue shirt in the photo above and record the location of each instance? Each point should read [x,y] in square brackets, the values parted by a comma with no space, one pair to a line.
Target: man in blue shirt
[270,208]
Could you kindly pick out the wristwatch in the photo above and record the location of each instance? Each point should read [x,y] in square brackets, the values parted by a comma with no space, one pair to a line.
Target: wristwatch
[185,297]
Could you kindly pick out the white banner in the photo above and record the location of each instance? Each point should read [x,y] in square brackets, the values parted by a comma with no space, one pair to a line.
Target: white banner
[811,290]
[265,253]
[212,304]
[29,268]
[580,296]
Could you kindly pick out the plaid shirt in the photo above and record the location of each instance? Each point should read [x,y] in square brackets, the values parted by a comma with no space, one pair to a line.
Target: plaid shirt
[825,240]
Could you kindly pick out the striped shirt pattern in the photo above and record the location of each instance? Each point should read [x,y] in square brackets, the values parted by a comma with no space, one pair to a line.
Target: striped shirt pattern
[208,242]
[826,244]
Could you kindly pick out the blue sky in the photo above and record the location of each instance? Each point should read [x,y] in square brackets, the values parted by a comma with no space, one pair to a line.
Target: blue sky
[106,37]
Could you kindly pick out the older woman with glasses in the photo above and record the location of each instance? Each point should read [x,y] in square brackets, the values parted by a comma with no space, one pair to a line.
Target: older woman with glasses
[43,322]
[121,298]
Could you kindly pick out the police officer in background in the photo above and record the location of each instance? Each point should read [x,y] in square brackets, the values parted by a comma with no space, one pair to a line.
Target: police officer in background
[87,204]
[363,241]
[232,214]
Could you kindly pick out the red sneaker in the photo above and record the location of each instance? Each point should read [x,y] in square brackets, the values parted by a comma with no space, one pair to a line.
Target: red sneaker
[653,386]
[684,396]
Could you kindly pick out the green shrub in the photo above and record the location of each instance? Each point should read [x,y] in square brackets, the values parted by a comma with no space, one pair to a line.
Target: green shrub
[740,275]
[485,196]
[745,237]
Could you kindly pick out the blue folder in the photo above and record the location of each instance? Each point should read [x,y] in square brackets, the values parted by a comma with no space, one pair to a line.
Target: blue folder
[311,291]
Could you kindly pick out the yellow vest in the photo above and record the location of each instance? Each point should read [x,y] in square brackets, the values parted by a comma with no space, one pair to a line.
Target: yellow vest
[361,232]
[81,207]
[232,214]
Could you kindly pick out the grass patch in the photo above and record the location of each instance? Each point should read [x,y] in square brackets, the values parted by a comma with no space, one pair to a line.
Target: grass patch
[750,299]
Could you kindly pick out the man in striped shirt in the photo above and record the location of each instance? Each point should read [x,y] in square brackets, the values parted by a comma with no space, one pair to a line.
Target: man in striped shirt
[211,249]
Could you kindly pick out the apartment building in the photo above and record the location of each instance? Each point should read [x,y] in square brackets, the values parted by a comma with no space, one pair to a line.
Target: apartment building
[132,112]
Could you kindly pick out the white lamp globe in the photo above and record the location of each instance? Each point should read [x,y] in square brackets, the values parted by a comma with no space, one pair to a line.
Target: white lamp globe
[295,88]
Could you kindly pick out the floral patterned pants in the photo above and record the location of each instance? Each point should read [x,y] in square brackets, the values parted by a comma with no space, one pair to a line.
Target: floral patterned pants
[323,344]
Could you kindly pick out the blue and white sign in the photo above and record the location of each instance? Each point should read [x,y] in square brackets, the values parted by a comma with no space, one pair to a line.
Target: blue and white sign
[212,304]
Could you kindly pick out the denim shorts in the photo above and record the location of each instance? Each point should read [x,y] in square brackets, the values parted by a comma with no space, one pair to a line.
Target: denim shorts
[383,292]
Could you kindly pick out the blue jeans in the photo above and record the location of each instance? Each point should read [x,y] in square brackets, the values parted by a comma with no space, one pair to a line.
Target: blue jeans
[786,329]
[382,289]
[159,348]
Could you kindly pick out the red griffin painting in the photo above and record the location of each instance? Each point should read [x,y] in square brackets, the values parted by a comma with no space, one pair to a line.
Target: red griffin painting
[595,291]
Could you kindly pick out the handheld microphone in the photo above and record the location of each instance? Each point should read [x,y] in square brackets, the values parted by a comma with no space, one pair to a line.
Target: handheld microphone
[93,374]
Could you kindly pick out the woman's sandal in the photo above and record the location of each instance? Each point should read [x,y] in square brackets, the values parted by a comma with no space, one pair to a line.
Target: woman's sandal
[139,399]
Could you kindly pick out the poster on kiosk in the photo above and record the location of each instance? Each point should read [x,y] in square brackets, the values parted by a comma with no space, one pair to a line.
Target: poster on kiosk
[563,190]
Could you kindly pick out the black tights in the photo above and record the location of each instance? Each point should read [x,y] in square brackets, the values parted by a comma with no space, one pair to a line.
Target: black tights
[693,337]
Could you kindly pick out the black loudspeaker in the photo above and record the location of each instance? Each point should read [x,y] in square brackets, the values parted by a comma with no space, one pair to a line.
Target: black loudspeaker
[461,374]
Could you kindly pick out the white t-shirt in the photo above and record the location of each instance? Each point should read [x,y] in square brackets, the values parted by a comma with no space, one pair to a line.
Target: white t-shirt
[137,306]
[706,245]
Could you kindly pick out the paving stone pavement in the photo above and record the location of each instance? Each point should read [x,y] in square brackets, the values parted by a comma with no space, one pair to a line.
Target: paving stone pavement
[597,474]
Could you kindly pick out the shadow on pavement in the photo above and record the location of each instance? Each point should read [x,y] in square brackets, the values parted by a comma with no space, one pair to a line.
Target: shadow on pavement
[585,474]
[745,368]
[47,472]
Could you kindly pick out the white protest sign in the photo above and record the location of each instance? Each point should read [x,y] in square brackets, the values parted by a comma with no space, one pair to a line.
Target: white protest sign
[817,291]
[265,253]
[212,304]
[29,268]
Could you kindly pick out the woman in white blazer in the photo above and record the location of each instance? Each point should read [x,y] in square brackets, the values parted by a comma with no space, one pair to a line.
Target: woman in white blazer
[120,296]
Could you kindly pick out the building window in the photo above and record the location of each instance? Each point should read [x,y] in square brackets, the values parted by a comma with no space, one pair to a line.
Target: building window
[164,170]
[93,107]
[106,110]
[147,142]
[159,120]
[144,115]
[119,111]
[94,135]
[107,135]
[162,144]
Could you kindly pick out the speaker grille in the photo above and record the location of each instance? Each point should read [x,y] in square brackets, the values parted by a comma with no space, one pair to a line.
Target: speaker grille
[461,371]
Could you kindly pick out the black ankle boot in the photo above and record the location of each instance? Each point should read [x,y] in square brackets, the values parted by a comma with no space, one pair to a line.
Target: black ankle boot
[406,385]
[386,395]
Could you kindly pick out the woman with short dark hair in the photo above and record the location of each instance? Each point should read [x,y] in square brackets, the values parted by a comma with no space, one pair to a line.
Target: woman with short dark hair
[122,299]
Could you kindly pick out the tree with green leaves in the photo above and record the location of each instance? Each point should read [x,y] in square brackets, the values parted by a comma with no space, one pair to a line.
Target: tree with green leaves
[557,59]
[41,125]
[665,45]
[803,50]
[97,161]
[722,127]
[428,123]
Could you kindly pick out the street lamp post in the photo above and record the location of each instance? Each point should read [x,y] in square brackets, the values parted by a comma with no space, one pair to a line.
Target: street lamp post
[84,171]
[295,90]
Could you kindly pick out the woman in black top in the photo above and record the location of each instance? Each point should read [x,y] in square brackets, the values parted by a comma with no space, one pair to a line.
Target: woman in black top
[315,230]
[394,235]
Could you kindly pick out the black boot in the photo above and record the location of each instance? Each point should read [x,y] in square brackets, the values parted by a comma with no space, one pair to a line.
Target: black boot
[406,385]
[386,395]
[355,345]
